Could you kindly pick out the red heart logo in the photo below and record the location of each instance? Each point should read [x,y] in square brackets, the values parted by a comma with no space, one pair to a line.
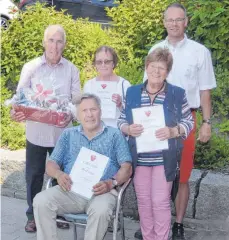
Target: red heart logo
[148,113]
[93,157]
[39,88]
[103,85]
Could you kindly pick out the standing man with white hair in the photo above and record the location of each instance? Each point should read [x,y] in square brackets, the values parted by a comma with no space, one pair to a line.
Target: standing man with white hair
[58,75]
[193,71]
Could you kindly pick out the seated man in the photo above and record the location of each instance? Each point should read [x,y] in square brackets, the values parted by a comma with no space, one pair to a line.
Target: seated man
[94,135]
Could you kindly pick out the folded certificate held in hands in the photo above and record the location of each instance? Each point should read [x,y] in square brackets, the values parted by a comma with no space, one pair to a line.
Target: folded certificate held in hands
[105,90]
[87,171]
[151,118]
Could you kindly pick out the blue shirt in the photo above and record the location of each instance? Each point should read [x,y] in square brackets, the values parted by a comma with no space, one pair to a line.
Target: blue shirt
[109,142]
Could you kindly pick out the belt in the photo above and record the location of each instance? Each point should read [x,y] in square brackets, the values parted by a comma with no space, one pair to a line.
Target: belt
[194,109]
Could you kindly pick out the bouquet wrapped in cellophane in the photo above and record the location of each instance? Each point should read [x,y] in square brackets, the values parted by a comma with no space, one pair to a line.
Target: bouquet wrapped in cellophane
[45,108]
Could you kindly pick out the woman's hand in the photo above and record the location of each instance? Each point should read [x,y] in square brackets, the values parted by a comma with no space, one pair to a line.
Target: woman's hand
[117,99]
[135,130]
[17,116]
[166,133]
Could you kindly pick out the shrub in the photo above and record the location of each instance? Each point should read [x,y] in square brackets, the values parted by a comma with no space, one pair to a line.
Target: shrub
[220,94]
[213,154]
[220,99]
[209,25]
[22,42]
[131,70]
[137,26]
[139,22]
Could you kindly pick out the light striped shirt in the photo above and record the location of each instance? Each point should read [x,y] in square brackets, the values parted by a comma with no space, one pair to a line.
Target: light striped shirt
[62,79]
[155,158]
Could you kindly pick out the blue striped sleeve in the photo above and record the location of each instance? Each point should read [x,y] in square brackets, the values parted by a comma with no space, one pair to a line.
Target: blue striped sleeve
[122,119]
[187,121]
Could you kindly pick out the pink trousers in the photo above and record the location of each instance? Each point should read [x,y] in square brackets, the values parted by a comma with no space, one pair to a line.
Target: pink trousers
[153,196]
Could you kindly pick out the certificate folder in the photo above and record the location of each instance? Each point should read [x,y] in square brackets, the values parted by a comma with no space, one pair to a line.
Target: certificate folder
[151,118]
[105,90]
[87,171]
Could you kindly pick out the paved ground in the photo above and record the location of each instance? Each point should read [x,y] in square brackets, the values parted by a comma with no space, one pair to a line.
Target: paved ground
[13,220]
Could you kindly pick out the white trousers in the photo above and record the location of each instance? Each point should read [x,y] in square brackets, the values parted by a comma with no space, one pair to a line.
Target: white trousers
[54,201]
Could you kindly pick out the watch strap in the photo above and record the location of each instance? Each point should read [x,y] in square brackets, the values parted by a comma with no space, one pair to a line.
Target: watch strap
[208,121]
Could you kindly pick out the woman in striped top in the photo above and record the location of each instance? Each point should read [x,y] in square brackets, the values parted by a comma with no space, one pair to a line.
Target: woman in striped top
[156,170]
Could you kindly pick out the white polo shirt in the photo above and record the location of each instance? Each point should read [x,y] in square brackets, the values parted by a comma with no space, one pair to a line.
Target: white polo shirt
[192,68]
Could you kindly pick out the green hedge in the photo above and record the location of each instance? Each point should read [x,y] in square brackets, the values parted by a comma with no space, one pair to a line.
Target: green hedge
[137,25]
[215,153]
[140,24]
[209,25]
[22,42]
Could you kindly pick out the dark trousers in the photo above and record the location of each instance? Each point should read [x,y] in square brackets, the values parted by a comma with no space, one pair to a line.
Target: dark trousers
[34,172]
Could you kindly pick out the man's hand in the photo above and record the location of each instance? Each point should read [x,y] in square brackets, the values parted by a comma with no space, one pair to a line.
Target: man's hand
[135,130]
[117,99]
[66,121]
[204,133]
[102,187]
[17,116]
[64,181]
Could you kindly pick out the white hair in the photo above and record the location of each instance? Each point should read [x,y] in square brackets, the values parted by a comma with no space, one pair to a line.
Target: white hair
[55,28]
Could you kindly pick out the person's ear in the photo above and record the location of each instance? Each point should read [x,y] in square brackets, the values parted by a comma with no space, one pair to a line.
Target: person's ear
[164,22]
[77,113]
[65,45]
[186,22]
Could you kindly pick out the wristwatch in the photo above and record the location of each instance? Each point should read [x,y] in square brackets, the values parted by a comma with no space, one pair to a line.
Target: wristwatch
[208,121]
[114,183]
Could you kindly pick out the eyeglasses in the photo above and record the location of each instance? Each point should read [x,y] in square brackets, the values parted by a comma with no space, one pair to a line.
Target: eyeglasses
[177,20]
[161,69]
[105,62]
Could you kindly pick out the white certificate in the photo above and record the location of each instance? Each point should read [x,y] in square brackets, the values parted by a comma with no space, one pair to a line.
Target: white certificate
[87,171]
[104,90]
[151,118]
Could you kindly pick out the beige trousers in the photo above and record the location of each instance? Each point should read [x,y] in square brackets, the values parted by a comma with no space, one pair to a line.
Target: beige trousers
[54,201]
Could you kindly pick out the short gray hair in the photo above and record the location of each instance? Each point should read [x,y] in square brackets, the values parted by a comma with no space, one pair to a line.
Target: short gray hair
[56,28]
[91,96]
[176,5]
[160,55]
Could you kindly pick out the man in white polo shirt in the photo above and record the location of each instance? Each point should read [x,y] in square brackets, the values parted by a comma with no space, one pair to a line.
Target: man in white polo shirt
[192,70]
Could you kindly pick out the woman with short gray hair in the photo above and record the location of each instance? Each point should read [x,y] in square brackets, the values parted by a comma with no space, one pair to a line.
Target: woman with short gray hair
[156,169]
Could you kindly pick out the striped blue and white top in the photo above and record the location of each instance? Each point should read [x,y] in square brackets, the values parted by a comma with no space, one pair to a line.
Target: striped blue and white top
[156,158]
